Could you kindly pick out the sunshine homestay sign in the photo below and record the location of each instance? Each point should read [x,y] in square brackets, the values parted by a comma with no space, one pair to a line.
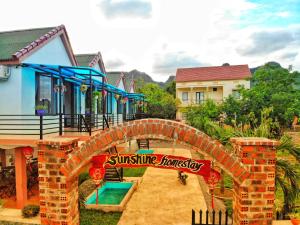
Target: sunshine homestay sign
[199,167]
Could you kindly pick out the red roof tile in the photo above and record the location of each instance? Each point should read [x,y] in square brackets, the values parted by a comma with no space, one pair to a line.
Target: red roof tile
[213,73]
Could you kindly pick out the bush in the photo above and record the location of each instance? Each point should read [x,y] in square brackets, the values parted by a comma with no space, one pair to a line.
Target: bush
[30,211]
[83,177]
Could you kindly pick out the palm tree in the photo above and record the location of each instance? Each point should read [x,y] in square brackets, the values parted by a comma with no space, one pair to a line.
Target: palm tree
[287,178]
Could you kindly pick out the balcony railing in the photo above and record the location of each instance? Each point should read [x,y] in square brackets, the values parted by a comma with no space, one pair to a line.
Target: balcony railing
[39,126]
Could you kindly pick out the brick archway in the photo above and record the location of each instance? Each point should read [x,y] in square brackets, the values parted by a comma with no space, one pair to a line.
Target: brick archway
[251,165]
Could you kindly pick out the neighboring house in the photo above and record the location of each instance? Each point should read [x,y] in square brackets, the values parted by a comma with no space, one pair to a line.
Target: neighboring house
[119,80]
[196,85]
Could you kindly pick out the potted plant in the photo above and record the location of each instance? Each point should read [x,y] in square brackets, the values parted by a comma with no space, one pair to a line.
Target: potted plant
[83,88]
[41,109]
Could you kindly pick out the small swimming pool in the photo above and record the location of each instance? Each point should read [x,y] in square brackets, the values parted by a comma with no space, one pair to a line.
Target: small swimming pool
[111,193]
[112,196]
[144,151]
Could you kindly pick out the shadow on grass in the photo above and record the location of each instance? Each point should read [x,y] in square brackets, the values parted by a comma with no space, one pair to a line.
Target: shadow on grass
[96,217]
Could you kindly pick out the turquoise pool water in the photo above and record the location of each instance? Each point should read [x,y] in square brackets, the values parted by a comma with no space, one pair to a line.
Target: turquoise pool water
[144,151]
[111,193]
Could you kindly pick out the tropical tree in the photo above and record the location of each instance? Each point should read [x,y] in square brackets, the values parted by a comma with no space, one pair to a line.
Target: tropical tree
[160,104]
[272,86]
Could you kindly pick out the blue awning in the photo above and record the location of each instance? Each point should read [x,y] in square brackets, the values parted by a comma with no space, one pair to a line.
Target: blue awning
[81,75]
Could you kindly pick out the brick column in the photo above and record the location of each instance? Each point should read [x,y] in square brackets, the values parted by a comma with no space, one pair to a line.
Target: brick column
[253,199]
[58,195]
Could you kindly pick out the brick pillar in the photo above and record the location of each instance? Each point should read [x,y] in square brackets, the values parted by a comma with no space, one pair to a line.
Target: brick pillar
[253,199]
[58,194]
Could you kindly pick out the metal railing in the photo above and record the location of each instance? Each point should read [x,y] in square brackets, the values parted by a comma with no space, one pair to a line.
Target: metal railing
[212,218]
[34,125]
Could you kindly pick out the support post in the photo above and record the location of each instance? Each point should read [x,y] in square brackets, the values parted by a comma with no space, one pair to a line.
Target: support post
[91,104]
[253,199]
[41,127]
[21,178]
[60,104]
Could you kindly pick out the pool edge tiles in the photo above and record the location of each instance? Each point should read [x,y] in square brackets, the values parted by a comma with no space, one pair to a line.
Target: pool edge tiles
[113,208]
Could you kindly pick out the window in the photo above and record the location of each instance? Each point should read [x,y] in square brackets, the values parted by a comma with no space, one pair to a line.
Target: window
[199,97]
[215,89]
[185,96]
[45,94]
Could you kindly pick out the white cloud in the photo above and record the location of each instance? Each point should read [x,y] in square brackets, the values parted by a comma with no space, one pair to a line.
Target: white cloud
[283,14]
[126,8]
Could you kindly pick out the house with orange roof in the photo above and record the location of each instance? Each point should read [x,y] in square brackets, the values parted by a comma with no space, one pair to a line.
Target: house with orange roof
[196,85]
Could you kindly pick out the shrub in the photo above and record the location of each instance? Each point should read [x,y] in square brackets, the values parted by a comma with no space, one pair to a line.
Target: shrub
[83,177]
[30,211]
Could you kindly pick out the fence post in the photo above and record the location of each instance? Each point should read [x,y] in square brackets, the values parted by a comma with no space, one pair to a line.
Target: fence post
[41,127]
[193,217]
[60,124]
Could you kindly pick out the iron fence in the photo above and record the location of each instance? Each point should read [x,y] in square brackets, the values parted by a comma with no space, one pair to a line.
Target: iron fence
[212,218]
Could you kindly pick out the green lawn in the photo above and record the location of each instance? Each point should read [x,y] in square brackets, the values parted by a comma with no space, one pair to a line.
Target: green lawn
[134,172]
[95,217]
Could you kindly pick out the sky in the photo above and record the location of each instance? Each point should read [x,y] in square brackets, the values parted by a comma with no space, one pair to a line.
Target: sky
[159,36]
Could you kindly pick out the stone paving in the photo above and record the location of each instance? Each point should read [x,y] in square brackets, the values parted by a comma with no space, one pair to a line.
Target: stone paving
[161,199]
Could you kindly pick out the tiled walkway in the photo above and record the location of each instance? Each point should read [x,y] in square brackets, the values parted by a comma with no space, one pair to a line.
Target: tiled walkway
[161,199]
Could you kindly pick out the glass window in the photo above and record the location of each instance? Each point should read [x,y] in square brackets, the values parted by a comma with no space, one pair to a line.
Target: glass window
[45,94]
[185,96]
[199,97]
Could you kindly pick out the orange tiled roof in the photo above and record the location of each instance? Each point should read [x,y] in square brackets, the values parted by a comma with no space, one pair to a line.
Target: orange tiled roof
[213,73]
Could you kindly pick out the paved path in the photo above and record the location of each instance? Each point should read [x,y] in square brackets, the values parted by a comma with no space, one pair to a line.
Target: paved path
[161,199]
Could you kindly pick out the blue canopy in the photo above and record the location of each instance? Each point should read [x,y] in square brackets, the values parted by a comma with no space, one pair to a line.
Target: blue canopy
[81,75]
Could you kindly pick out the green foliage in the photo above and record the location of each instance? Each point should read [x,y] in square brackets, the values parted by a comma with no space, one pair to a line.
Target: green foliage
[83,177]
[199,116]
[161,104]
[273,87]
[30,211]
[171,88]
[1,202]
[134,172]
[96,217]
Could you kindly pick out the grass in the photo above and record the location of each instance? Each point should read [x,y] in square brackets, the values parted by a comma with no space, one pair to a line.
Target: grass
[96,217]
[134,172]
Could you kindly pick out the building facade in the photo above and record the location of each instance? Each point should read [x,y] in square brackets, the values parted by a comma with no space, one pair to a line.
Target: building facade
[194,86]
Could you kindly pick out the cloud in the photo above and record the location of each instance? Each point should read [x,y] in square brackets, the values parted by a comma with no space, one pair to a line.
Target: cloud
[114,63]
[169,62]
[289,56]
[265,42]
[126,8]
[283,14]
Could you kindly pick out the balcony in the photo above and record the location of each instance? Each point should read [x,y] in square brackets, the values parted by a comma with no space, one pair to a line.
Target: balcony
[33,127]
